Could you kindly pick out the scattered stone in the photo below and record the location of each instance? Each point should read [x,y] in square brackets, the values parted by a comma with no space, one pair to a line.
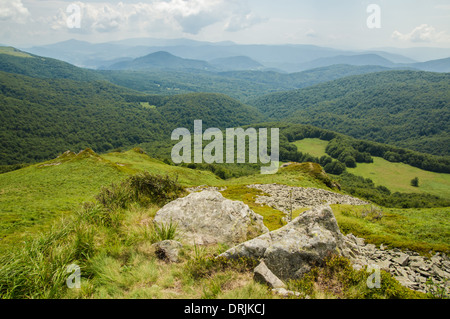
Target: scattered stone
[208,218]
[263,275]
[167,250]
[384,265]
[283,197]
[402,260]
[286,293]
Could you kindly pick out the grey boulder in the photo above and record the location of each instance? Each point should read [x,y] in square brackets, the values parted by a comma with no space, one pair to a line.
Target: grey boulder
[206,218]
[291,251]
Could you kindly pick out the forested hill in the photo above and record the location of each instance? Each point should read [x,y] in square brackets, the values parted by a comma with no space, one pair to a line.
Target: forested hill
[42,118]
[237,84]
[18,62]
[404,108]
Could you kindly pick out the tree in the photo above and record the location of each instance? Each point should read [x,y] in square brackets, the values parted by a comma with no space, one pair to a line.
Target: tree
[415,182]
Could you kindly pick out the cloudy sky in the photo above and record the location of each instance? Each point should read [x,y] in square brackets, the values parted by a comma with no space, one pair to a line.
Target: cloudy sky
[340,24]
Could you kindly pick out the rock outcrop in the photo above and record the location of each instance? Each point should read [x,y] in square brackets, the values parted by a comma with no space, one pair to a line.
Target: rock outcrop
[294,249]
[285,198]
[208,218]
[291,251]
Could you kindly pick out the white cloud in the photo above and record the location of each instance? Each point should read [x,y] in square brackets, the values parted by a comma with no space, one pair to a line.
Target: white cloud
[422,33]
[188,16]
[243,21]
[311,33]
[13,10]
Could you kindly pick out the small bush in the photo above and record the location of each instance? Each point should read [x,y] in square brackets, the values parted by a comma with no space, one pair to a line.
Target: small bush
[148,188]
[415,182]
[202,266]
[143,188]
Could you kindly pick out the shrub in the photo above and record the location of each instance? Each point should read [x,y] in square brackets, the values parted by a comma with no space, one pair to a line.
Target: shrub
[415,182]
[148,188]
[143,188]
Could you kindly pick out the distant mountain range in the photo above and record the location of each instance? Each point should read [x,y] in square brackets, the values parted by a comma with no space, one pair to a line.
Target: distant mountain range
[229,56]
[151,54]
[164,79]
[236,63]
[166,60]
[48,106]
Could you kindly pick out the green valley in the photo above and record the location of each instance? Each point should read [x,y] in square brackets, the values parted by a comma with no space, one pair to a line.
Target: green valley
[85,168]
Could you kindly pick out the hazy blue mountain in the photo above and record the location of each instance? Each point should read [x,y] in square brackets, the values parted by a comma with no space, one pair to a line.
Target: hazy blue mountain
[420,54]
[161,60]
[236,63]
[396,58]
[359,60]
[81,53]
[441,65]
[286,58]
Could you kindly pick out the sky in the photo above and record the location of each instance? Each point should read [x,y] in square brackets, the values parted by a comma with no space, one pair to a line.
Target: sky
[333,23]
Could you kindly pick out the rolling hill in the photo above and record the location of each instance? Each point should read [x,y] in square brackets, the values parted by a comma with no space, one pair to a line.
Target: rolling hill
[441,65]
[236,63]
[359,60]
[19,62]
[44,117]
[162,60]
[403,108]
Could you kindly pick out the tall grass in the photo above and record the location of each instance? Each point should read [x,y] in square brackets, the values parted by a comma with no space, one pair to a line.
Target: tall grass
[38,269]
[163,231]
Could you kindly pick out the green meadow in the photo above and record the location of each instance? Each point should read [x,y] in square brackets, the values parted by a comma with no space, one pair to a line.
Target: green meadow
[395,176]
[314,146]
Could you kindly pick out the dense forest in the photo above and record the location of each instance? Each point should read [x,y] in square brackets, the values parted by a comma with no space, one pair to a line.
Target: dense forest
[50,106]
[44,117]
[404,108]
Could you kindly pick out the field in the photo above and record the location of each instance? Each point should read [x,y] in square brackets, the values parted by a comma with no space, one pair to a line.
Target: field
[395,176]
[313,146]
[33,197]
[421,230]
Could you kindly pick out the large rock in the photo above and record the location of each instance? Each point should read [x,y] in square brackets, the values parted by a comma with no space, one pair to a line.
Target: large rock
[294,249]
[208,218]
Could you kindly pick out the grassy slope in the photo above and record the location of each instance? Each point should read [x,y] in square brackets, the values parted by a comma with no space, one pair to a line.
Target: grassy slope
[118,261]
[422,230]
[395,176]
[14,52]
[32,197]
[314,146]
